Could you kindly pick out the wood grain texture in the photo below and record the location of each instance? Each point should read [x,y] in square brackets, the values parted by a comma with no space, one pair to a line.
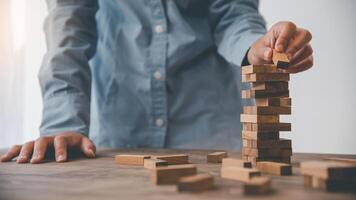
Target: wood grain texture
[248,94]
[264,110]
[329,170]
[233,162]
[171,174]
[239,173]
[264,77]
[216,157]
[196,183]
[275,168]
[263,144]
[266,127]
[267,68]
[127,159]
[174,159]
[259,118]
[282,102]
[280,59]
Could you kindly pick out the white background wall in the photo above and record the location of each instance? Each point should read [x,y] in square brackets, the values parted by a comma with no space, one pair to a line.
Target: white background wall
[324,98]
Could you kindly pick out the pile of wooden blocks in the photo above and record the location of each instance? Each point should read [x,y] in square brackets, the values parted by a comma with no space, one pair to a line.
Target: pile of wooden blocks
[329,175]
[261,122]
[170,170]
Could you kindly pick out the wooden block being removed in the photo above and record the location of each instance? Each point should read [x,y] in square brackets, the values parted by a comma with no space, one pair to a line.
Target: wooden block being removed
[329,170]
[280,59]
[216,157]
[153,163]
[257,186]
[270,86]
[267,68]
[233,162]
[239,173]
[275,101]
[264,77]
[262,144]
[126,159]
[275,168]
[196,183]
[269,127]
[248,94]
[174,159]
[255,135]
[266,110]
[259,118]
[172,173]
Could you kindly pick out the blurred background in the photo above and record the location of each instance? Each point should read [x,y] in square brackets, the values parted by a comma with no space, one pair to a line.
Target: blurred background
[324,98]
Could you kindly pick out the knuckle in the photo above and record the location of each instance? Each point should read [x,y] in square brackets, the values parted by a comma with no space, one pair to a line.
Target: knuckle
[16,146]
[290,25]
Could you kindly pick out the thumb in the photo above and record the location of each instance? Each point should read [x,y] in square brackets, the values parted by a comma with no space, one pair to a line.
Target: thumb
[88,147]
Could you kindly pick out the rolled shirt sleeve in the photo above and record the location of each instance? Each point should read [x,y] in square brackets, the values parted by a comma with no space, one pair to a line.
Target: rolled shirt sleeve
[65,77]
[236,25]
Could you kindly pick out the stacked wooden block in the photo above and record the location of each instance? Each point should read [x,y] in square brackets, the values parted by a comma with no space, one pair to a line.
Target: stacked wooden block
[261,121]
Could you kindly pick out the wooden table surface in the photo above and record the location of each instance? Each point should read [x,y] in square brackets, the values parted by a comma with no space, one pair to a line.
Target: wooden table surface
[101,178]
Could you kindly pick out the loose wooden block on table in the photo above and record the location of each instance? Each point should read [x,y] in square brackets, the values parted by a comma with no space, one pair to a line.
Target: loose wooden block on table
[275,101]
[257,185]
[267,110]
[126,159]
[233,162]
[216,157]
[275,168]
[329,170]
[266,127]
[259,118]
[330,185]
[344,160]
[248,94]
[239,173]
[153,163]
[174,159]
[196,183]
[264,77]
[280,59]
[255,135]
[171,173]
[274,144]
[270,86]
[266,68]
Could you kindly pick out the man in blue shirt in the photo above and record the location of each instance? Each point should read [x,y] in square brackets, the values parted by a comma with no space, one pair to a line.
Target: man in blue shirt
[151,73]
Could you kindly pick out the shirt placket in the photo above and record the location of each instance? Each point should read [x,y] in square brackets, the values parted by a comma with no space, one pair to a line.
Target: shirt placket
[158,57]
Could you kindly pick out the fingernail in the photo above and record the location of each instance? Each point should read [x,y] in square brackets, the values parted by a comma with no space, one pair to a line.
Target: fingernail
[60,158]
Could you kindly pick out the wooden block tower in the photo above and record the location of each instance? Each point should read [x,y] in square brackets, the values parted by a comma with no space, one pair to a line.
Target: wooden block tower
[261,121]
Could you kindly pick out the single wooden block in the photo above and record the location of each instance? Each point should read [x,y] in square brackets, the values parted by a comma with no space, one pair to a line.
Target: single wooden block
[266,152]
[233,162]
[262,144]
[330,185]
[282,102]
[239,173]
[280,59]
[329,170]
[269,127]
[270,86]
[216,157]
[174,159]
[275,168]
[249,94]
[196,183]
[264,77]
[344,160]
[255,135]
[172,173]
[125,159]
[267,110]
[259,118]
[257,186]
[266,68]
[153,163]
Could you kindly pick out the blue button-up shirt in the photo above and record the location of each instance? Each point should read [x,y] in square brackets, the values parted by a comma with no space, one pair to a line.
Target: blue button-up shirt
[147,73]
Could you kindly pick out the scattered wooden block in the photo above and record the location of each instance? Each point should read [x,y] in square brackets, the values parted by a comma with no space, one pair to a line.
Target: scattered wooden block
[259,118]
[257,186]
[172,173]
[330,185]
[124,159]
[239,173]
[275,101]
[174,159]
[280,60]
[196,183]
[267,110]
[216,157]
[264,77]
[275,168]
[266,127]
[270,86]
[345,160]
[255,135]
[153,163]
[248,94]
[233,162]
[329,170]
[262,144]
[266,68]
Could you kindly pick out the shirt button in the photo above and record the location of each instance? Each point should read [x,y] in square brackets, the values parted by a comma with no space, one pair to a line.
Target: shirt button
[159,122]
[157,75]
[159,29]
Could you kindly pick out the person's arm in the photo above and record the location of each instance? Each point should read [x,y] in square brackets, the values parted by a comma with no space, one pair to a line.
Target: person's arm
[65,81]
